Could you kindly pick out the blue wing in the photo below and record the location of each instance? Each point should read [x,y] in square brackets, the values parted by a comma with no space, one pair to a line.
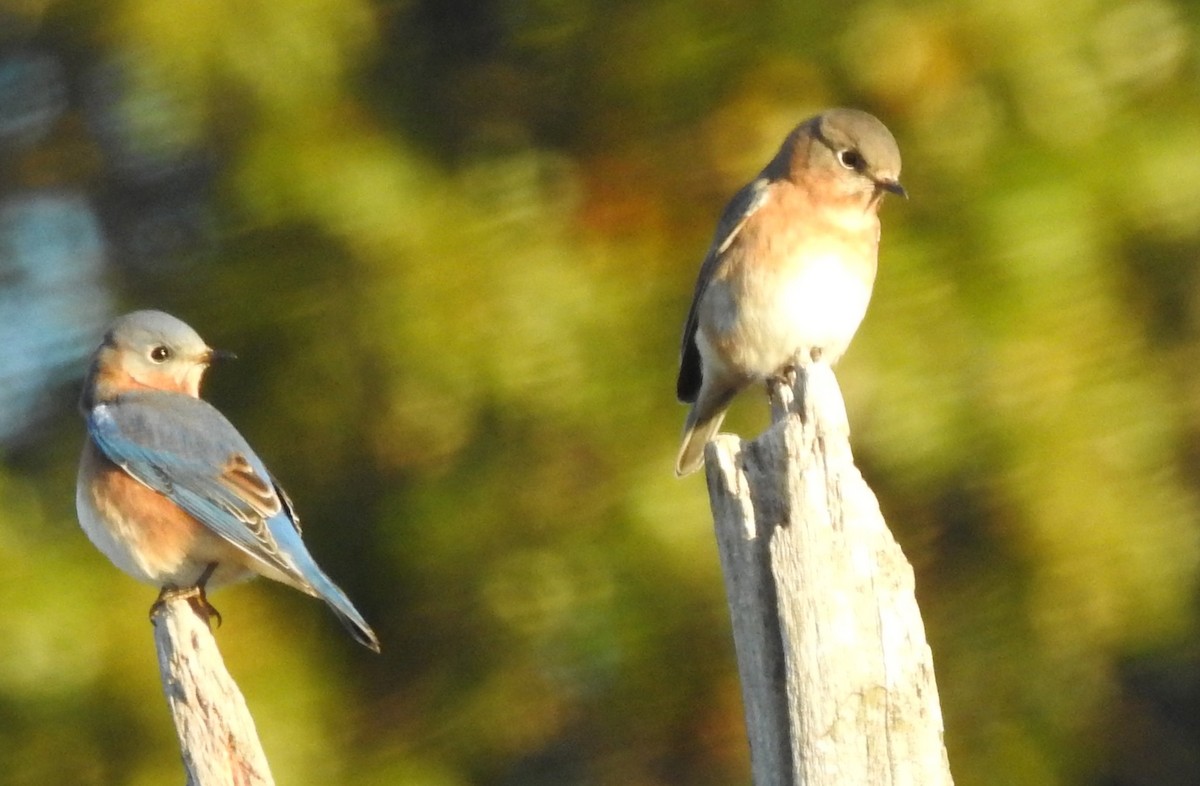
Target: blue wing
[743,205]
[186,450]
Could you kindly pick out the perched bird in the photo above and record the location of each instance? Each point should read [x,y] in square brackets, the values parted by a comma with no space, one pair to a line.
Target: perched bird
[789,274]
[167,487]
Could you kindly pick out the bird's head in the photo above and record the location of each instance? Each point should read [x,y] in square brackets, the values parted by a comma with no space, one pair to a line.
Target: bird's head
[851,155]
[148,350]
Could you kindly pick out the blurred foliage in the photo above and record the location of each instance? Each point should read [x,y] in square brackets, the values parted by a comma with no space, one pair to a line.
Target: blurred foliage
[454,242]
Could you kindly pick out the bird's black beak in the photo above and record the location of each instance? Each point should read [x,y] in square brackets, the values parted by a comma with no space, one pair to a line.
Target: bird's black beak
[215,355]
[892,187]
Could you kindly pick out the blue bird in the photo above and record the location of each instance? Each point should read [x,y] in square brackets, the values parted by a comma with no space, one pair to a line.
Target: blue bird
[789,273]
[169,490]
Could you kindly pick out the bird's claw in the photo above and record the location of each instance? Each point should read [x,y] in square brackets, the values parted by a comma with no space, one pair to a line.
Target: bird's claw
[195,596]
[205,610]
[780,392]
[787,376]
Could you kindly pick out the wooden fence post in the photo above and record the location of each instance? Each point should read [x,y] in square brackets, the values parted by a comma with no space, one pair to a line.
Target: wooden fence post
[837,677]
[217,738]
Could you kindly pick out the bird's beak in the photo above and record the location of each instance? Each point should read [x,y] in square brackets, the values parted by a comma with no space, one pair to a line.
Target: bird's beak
[893,187]
[214,355]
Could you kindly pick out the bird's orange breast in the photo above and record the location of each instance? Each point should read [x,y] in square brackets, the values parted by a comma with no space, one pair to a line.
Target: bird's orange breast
[146,534]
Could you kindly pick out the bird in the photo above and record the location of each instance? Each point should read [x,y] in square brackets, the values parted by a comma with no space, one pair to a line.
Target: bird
[789,273]
[167,487]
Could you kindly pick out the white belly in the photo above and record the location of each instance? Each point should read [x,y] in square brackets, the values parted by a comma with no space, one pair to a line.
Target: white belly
[819,309]
[758,328]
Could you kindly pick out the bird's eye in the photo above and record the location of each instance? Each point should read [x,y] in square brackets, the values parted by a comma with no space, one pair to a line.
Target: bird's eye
[160,354]
[851,159]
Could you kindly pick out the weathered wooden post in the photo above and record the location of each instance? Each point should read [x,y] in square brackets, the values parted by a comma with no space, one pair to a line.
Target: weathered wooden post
[217,737]
[837,677]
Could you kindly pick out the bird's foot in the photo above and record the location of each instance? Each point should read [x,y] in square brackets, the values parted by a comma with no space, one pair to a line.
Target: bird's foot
[788,374]
[205,610]
[195,597]
[780,387]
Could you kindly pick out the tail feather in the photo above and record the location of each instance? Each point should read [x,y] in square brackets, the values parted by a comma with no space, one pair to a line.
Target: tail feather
[696,435]
[344,610]
[306,576]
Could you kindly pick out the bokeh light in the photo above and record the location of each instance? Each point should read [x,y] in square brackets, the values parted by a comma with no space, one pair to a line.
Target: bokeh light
[453,244]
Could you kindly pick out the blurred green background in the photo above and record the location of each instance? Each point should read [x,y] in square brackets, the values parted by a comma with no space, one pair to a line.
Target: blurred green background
[454,243]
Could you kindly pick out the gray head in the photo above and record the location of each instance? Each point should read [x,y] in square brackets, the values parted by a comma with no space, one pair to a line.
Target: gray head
[147,350]
[847,150]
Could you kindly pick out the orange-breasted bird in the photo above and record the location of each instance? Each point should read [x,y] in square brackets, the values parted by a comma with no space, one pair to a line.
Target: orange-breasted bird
[789,273]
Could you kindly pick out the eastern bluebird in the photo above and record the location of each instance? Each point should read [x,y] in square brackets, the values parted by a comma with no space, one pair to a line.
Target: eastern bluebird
[790,271]
[167,487]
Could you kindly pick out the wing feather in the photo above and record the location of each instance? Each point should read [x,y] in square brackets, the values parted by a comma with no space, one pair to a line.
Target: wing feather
[743,205]
[186,450]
